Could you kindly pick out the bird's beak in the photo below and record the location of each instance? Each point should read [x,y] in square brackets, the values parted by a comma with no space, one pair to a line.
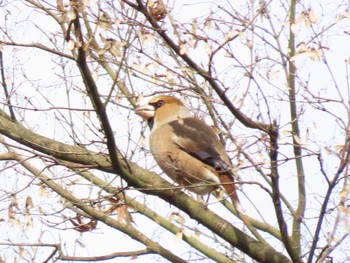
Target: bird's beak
[145,111]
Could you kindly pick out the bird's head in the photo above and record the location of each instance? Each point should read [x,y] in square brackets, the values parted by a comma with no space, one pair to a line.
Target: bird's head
[161,110]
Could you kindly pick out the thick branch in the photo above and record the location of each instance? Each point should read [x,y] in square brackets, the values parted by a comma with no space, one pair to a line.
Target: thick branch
[94,94]
[152,215]
[99,215]
[145,181]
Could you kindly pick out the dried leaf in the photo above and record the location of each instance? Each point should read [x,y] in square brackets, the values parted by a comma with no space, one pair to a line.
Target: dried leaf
[11,213]
[297,139]
[43,192]
[272,75]
[293,58]
[228,54]
[207,48]
[287,133]
[101,51]
[178,236]
[104,25]
[302,47]
[243,37]
[16,223]
[248,74]
[197,233]
[115,48]
[172,217]
[34,249]
[299,18]
[81,226]
[344,193]
[183,49]
[70,44]
[187,71]
[147,39]
[105,21]
[180,219]
[232,34]
[194,26]
[123,214]
[145,70]
[207,23]
[339,147]
[95,75]
[71,14]
[263,158]
[28,221]
[29,202]
[294,28]
[177,217]
[118,97]
[169,77]
[157,9]
[307,23]
[312,17]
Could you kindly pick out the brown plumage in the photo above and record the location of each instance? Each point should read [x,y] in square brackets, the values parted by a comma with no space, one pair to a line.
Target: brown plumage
[186,148]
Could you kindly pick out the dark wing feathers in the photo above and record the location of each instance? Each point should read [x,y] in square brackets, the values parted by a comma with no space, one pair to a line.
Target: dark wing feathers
[216,162]
[198,140]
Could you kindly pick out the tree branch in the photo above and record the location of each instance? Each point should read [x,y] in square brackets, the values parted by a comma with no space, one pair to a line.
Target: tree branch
[97,214]
[94,95]
[245,120]
[276,197]
[4,85]
[152,215]
[300,211]
[131,254]
[144,181]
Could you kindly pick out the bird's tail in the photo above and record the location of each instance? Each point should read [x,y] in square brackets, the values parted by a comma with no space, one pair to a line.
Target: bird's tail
[231,190]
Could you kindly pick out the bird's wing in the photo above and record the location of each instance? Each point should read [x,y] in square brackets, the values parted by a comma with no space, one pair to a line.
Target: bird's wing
[198,140]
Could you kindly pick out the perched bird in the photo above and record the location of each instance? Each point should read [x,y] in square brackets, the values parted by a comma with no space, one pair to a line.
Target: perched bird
[186,148]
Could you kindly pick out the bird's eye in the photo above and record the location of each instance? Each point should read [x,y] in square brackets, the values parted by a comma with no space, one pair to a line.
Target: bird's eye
[160,103]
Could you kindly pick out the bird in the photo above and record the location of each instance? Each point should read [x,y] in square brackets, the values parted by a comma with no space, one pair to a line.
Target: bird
[186,148]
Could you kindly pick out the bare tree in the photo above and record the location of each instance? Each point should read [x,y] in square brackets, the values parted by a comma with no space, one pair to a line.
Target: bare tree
[271,77]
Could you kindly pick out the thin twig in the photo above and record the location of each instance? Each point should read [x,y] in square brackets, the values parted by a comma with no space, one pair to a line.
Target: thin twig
[4,85]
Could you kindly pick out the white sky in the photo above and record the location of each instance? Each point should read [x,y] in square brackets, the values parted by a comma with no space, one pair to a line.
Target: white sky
[40,68]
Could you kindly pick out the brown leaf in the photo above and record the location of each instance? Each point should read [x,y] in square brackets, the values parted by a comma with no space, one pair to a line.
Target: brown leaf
[29,202]
[158,10]
[124,215]
[80,226]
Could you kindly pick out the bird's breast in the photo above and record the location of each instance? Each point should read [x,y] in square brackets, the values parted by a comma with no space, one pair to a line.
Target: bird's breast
[179,165]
